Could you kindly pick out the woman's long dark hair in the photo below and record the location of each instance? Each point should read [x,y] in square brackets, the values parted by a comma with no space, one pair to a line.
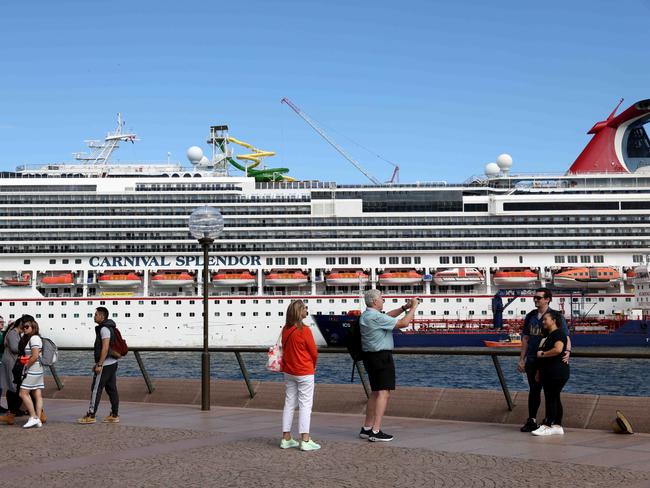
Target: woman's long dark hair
[20,321]
[25,338]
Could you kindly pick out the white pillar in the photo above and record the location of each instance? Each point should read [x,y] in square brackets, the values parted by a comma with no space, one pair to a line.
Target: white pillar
[312,274]
[145,282]
[260,288]
[488,280]
[621,286]
[84,288]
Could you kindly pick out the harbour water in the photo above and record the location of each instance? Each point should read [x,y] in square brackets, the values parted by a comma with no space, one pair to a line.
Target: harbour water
[624,377]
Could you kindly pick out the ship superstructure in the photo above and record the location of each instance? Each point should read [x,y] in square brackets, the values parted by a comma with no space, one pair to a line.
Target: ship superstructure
[98,234]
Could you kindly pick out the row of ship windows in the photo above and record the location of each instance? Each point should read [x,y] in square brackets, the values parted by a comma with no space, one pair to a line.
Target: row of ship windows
[186,186]
[294,246]
[56,211]
[472,259]
[181,213]
[572,259]
[267,314]
[144,198]
[279,301]
[270,233]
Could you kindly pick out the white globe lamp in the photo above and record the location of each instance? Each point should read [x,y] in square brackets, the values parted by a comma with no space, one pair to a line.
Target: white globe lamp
[206,223]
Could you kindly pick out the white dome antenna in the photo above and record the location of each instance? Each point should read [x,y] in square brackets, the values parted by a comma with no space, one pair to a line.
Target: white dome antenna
[194,154]
[504,162]
[492,170]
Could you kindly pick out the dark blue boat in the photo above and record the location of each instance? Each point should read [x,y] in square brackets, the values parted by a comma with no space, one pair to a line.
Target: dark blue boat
[628,333]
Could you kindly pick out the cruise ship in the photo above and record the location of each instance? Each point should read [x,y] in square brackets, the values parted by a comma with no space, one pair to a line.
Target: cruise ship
[93,233]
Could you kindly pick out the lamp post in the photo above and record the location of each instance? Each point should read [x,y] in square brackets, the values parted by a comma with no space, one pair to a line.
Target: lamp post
[205,224]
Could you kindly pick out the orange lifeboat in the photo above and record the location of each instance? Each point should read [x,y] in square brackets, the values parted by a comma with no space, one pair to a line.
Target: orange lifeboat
[587,278]
[514,340]
[514,277]
[23,280]
[408,277]
[283,278]
[116,279]
[57,279]
[172,278]
[346,278]
[233,278]
[458,276]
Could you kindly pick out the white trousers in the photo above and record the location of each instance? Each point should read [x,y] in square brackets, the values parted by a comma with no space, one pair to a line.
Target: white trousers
[299,393]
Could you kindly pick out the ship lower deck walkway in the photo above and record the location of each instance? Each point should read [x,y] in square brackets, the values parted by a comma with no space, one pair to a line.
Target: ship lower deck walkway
[180,445]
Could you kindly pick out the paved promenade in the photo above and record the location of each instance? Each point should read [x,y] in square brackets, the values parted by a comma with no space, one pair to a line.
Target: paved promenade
[179,445]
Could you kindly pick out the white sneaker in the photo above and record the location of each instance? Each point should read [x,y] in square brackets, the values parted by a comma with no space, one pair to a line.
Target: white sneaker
[286,444]
[542,430]
[33,422]
[557,430]
[309,445]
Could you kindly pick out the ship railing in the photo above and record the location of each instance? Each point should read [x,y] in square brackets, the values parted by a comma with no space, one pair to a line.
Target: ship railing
[494,353]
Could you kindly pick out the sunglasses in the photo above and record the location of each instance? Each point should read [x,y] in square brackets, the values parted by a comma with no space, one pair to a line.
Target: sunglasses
[27,326]
[538,298]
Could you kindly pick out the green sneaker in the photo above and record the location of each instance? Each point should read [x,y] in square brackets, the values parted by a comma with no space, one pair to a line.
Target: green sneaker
[309,445]
[284,444]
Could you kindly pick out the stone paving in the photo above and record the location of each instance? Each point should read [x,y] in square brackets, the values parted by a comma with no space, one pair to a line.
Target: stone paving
[164,445]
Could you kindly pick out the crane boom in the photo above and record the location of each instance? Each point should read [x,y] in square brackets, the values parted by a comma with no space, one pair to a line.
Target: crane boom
[322,133]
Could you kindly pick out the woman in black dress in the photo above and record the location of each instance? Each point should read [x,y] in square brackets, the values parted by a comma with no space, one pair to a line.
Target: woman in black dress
[553,372]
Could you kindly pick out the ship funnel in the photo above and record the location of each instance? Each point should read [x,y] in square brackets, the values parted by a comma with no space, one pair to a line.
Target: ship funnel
[619,144]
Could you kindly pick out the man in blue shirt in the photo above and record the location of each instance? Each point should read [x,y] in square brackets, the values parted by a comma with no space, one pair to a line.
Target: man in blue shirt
[531,336]
[377,345]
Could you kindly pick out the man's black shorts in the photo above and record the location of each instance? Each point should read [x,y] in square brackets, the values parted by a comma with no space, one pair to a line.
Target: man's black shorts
[381,370]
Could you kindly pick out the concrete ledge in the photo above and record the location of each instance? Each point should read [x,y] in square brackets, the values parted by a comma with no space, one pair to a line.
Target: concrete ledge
[580,411]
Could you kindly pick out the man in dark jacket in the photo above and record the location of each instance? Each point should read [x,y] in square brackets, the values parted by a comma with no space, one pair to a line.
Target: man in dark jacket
[104,370]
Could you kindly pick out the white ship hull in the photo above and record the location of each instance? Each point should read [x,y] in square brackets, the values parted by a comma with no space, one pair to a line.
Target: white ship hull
[237,320]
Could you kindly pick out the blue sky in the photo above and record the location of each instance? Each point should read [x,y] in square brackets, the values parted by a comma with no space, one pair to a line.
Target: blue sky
[438,88]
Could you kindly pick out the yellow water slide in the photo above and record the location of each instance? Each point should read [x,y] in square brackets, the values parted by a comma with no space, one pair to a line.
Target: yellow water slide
[256,156]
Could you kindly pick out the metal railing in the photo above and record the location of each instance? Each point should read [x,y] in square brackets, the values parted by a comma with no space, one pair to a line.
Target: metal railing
[609,353]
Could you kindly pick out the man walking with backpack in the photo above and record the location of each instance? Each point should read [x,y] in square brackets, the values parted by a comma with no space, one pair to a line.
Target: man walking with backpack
[104,369]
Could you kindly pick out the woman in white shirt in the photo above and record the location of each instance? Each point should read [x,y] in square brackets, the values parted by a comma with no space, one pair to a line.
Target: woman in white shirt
[33,382]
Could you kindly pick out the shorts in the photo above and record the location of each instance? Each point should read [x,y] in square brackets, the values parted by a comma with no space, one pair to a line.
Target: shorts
[381,370]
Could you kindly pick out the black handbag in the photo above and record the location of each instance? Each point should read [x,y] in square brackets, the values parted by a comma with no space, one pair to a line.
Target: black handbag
[19,372]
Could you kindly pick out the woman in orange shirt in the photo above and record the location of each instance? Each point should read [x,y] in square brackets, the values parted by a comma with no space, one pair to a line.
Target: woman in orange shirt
[299,356]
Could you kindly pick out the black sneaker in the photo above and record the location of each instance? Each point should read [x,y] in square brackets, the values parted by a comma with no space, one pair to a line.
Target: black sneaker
[380,437]
[529,426]
[365,433]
